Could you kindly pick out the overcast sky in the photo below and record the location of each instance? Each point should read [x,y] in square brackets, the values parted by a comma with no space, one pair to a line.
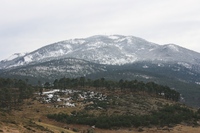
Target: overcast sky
[26,25]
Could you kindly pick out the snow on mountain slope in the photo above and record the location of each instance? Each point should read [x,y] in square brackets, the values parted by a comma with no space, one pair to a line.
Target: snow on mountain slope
[50,70]
[111,50]
[16,55]
[113,57]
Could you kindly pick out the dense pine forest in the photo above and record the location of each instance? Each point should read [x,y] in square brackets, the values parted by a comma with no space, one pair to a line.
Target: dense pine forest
[123,85]
[14,91]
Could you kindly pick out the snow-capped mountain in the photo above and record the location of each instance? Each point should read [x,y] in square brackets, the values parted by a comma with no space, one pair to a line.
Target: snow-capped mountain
[112,57]
[110,50]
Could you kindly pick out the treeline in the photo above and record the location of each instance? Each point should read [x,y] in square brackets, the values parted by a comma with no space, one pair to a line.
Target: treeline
[169,115]
[124,85]
[13,92]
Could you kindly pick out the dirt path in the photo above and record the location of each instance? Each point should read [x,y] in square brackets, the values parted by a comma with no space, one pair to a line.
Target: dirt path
[53,128]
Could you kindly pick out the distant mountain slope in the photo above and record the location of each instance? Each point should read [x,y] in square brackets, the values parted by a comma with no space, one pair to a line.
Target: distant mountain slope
[110,50]
[51,70]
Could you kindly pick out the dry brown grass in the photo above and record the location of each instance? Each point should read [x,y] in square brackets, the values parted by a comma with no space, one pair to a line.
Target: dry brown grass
[22,119]
[26,119]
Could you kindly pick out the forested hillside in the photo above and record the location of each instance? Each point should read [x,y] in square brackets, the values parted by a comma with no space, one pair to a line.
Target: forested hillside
[132,86]
[13,92]
[104,104]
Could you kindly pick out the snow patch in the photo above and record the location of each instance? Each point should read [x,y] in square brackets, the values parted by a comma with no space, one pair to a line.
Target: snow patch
[129,40]
[198,83]
[67,47]
[160,65]
[70,104]
[151,49]
[51,92]
[145,66]
[185,65]
[113,37]
[28,58]
[173,47]
[20,63]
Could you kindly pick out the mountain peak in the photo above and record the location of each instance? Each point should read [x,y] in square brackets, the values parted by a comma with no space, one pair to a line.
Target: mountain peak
[103,49]
[172,47]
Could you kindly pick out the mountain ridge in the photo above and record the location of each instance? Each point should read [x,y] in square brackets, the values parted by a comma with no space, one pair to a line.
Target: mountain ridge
[111,50]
